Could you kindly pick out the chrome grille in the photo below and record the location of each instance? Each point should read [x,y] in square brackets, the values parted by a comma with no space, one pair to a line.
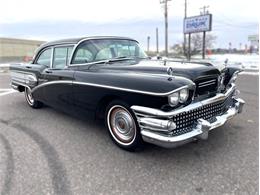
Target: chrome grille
[185,121]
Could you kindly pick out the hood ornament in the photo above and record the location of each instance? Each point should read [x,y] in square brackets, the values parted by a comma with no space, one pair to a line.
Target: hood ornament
[170,71]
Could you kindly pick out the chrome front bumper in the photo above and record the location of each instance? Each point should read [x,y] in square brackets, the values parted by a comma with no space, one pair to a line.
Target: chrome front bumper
[156,125]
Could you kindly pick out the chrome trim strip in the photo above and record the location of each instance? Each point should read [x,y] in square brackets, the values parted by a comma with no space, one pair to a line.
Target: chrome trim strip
[15,87]
[170,114]
[234,74]
[60,46]
[52,54]
[207,84]
[109,87]
[22,84]
[24,77]
[131,90]
[51,83]
[210,81]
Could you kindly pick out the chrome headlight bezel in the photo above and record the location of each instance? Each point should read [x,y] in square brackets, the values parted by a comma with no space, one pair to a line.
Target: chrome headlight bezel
[233,78]
[183,95]
[173,99]
[177,97]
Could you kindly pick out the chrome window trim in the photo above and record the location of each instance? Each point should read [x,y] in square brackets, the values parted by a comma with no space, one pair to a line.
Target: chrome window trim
[96,38]
[60,46]
[43,50]
[52,53]
[109,87]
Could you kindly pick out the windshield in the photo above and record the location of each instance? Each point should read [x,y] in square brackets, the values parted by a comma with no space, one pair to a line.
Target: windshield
[106,49]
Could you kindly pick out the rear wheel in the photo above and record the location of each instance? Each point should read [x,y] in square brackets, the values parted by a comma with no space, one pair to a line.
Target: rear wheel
[122,126]
[30,100]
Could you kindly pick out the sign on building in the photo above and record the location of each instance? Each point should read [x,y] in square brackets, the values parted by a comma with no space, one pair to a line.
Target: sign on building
[253,38]
[195,24]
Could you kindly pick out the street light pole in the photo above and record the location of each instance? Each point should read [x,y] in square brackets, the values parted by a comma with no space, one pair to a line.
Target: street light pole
[148,43]
[157,42]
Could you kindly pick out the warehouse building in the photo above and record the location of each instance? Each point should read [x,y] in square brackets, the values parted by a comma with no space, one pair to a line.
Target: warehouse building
[17,50]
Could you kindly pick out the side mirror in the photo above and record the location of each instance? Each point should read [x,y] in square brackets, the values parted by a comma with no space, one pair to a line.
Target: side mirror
[226,61]
[159,57]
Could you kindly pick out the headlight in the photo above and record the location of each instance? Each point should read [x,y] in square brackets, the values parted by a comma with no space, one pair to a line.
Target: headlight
[184,94]
[173,99]
[233,78]
[180,96]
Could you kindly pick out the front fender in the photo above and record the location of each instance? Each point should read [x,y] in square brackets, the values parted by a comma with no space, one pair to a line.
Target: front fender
[141,83]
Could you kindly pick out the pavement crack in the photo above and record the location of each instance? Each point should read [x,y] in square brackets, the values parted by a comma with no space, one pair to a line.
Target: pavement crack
[9,166]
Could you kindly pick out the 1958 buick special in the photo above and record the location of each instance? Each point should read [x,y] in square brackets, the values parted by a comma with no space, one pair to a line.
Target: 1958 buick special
[167,103]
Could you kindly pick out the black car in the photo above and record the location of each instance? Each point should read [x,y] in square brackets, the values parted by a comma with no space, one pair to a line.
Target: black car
[164,102]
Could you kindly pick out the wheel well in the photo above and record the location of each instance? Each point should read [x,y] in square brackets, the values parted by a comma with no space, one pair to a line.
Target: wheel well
[21,88]
[102,105]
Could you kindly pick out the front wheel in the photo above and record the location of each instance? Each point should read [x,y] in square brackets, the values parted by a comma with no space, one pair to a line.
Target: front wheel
[30,100]
[122,126]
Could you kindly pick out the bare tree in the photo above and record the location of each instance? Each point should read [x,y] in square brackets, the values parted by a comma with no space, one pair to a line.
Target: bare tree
[177,49]
[196,42]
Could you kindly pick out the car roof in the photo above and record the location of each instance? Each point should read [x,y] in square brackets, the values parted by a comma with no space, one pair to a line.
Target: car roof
[77,40]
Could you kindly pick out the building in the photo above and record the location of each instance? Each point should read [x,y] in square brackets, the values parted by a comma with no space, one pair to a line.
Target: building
[17,50]
[254,43]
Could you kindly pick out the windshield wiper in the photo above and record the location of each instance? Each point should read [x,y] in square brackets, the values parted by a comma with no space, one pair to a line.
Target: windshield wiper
[121,58]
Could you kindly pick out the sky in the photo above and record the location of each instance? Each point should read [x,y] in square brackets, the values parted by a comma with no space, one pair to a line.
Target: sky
[49,20]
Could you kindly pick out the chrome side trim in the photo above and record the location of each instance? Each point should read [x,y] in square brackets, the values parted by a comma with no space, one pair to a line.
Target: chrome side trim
[131,90]
[18,83]
[26,78]
[205,82]
[108,87]
[170,114]
[51,83]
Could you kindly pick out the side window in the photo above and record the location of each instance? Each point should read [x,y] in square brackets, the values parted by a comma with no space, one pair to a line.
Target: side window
[82,55]
[61,57]
[45,58]
[104,54]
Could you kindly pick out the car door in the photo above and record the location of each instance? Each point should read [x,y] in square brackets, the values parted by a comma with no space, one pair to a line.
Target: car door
[58,79]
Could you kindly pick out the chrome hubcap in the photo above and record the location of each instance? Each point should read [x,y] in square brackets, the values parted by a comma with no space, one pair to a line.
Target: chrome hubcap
[29,96]
[121,125]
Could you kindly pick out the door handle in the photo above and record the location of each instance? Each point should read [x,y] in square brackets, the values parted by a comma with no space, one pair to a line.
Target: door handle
[48,71]
[28,67]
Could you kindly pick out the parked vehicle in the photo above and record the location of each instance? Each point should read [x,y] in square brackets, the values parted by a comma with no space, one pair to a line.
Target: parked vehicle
[163,102]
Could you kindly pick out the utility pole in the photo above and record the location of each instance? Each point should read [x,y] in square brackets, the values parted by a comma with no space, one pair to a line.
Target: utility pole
[157,42]
[184,35]
[165,2]
[204,12]
[148,43]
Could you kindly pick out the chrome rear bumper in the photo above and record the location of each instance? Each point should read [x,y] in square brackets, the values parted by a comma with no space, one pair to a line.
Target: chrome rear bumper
[159,133]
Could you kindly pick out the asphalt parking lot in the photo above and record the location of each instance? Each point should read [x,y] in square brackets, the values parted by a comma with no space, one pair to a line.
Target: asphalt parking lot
[47,152]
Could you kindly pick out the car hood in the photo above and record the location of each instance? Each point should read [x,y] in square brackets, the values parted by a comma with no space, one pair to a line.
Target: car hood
[188,70]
